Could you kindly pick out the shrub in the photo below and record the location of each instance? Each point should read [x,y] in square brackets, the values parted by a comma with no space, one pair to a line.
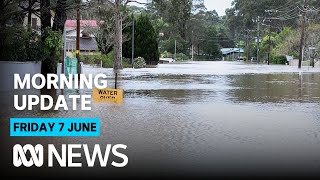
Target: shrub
[17,44]
[96,59]
[126,62]
[181,57]
[107,60]
[279,60]
[139,62]
[166,54]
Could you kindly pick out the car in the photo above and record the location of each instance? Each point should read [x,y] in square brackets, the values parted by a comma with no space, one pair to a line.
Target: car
[241,59]
[253,59]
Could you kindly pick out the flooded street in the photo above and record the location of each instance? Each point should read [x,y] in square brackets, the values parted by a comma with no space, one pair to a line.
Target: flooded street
[202,118]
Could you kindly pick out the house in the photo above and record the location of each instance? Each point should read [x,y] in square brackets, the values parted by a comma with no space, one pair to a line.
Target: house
[72,24]
[88,44]
[231,53]
[35,16]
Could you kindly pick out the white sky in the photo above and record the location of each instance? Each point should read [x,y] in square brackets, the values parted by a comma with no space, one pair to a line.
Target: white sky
[219,5]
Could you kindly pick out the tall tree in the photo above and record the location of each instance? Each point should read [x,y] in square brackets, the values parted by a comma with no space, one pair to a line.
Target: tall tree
[116,6]
[210,45]
[60,15]
[146,44]
[176,12]
[46,65]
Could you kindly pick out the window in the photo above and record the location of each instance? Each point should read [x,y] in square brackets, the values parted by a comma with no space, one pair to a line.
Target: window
[34,23]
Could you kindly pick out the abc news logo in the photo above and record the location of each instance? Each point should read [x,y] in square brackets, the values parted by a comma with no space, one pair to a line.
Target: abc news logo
[67,156]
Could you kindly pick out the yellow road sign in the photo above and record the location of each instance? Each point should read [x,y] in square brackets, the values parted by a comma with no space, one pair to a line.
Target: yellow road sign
[107,95]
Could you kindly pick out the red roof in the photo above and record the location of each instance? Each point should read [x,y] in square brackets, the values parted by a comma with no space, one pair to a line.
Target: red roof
[83,23]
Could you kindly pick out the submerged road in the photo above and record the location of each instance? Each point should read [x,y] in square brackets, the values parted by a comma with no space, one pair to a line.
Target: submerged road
[201,119]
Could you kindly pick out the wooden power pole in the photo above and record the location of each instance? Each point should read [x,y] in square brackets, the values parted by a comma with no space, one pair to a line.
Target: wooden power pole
[303,26]
[78,38]
[269,41]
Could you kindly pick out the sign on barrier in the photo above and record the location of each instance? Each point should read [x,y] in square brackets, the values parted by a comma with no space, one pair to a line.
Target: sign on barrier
[71,66]
[107,95]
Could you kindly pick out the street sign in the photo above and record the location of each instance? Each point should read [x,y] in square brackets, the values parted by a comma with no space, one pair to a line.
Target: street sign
[107,95]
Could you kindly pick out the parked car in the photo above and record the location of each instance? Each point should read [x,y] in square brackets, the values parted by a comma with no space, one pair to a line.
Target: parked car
[241,58]
[253,59]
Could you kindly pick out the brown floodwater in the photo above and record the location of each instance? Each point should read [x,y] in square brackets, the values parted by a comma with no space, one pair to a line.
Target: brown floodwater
[200,118]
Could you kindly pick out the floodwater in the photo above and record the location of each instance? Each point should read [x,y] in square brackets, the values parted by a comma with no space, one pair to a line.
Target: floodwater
[202,119]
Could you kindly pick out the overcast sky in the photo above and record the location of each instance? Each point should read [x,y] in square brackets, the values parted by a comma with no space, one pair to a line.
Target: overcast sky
[219,5]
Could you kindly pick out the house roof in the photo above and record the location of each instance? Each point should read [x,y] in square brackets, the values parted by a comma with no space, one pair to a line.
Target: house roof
[231,50]
[83,23]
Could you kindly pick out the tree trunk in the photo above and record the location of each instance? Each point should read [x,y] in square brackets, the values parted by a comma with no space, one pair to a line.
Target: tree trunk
[47,65]
[29,16]
[45,17]
[117,64]
[60,17]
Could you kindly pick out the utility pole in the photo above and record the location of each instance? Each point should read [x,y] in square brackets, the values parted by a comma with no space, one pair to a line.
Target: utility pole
[175,49]
[238,46]
[302,32]
[192,46]
[248,45]
[269,41]
[132,55]
[78,38]
[64,50]
[258,38]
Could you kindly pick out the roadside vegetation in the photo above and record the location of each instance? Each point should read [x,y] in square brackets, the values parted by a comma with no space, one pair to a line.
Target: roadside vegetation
[163,29]
[282,21]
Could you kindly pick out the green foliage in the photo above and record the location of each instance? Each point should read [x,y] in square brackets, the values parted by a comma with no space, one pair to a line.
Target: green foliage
[53,43]
[181,57]
[169,45]
[107,60]
[17,44]
[176,13]
[96,59]
[146,44]
[210,45]
[159,24]
[240,16]
[167,54]
[139,62]
[266,45]
[279,60]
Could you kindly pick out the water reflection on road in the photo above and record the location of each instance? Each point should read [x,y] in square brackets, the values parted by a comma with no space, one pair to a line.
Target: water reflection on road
[212,117]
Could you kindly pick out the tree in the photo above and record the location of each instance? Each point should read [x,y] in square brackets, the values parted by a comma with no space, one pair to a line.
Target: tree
[146,44]
[105,32]
[176,12]
[60,15]
[210,45]
[116,7]
[11,12]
